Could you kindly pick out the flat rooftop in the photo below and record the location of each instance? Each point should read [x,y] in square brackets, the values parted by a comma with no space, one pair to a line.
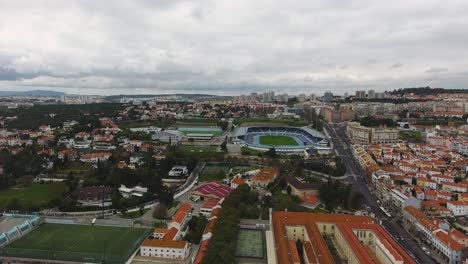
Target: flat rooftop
[8,222]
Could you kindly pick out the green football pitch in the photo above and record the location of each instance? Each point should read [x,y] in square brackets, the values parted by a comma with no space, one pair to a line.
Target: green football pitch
[277,141]
[82,243]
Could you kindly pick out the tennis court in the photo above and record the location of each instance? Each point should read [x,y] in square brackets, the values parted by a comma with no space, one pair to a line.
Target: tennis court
[250,243]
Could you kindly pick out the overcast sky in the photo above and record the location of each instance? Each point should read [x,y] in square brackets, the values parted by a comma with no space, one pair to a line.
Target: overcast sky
[232,47]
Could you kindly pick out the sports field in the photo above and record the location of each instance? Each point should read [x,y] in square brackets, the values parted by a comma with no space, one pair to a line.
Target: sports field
[213,172]
[35,195]
[198,148]
[278,141]
[250,243]
[201,130]
[85,243]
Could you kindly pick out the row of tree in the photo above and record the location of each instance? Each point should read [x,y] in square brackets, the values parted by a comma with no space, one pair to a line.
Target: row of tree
[335,194]
[369,121]
[222,246]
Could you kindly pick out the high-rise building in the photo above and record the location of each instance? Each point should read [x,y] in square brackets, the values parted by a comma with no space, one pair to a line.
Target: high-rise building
[371,94]
[313,97]
[380,95]
[328,97]
[333,115]
[360,94]
[301,97]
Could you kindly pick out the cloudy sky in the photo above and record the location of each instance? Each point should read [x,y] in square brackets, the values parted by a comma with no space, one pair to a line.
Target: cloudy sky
[232,47]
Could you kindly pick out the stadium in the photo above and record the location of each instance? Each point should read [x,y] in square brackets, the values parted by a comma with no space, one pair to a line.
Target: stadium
[282,138]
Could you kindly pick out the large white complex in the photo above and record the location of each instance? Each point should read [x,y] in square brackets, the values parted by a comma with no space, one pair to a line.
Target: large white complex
[305,138]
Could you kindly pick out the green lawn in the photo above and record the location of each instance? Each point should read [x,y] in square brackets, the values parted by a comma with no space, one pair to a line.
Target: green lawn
[213,172]
[251,152]
[410,135]
[278,141]
[75,167]
[88,243]
[249,244]
[35,195]
[193,148]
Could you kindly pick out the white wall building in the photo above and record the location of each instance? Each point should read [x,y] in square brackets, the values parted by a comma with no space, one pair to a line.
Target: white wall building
[458,208]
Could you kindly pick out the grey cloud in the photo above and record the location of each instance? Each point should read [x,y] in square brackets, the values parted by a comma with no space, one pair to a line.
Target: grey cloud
[436,70]
[231,46]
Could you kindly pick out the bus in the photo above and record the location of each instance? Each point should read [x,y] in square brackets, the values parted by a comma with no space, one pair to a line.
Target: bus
[385,212]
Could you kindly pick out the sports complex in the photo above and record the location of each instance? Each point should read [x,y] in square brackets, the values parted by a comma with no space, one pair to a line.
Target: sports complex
[72,243]
[282,138]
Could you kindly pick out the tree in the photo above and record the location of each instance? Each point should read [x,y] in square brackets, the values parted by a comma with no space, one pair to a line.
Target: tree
[196,227]
[355,200]
[271,153]
[160,212]
[223,125]
[288,190]
[224,146]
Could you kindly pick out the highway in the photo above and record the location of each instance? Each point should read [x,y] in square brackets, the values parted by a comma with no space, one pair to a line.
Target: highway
[355,174]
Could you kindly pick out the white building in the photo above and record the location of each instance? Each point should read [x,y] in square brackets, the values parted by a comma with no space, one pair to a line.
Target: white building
[173,136]
[458,208]
[447,246]
[95,157]
[147,130]
[402,200]
[166,249]
[136,191]
[81,145]
[178,171]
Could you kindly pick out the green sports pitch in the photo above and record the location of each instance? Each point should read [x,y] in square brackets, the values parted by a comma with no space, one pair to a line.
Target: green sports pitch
[250,244]
[80,243]
[277,141]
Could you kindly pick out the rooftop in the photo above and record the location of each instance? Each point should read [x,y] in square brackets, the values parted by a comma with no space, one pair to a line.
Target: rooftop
[316,248]
[213,189]
[164,243]
[181,213]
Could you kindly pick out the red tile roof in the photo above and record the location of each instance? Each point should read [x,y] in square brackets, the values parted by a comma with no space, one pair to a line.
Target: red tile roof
[450,242]
[210,203]
[316,249]
[294,252]
[181,213]
[238,181]
[266,175]
[164,243]
[171,233]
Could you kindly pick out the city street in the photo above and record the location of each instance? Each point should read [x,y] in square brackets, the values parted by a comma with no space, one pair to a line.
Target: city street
[342,145]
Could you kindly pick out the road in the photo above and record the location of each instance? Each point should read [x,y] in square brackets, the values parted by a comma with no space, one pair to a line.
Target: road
[342,145]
